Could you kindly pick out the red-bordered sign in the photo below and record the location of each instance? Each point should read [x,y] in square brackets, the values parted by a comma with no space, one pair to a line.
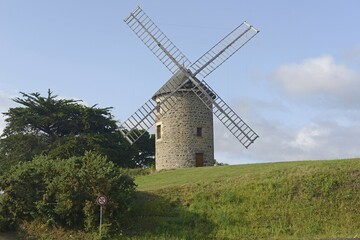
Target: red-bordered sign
[101,200]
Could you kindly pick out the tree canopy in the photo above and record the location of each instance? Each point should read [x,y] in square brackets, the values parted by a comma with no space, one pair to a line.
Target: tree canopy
[62,128]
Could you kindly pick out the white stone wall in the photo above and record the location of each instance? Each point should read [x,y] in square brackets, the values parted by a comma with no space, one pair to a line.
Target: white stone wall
[179,141]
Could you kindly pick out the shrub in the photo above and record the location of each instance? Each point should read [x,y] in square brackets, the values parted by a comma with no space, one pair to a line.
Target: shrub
[63,192]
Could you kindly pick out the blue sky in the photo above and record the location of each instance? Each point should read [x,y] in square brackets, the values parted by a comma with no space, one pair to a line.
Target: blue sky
[296,83]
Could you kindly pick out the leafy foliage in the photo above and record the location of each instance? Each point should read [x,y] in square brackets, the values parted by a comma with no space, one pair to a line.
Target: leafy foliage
[64,128]
[143,151]
[63,193]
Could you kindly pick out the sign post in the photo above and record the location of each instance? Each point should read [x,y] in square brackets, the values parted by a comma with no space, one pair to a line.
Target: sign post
[101,200]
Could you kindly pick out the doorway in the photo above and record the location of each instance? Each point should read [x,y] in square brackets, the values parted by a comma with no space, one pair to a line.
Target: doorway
[199,159]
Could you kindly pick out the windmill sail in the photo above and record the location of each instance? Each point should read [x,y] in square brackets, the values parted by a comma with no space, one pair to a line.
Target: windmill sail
[144,117]
[177,63]
[174,60]
[225,114]
[224,49]
[158,43]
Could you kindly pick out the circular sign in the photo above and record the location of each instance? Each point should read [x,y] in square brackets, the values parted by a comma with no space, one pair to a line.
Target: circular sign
[101,200]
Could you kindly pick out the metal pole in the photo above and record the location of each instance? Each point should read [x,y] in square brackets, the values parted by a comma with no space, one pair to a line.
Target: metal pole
[100,219]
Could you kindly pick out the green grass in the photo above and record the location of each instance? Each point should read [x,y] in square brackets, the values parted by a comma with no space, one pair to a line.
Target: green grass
[292,200]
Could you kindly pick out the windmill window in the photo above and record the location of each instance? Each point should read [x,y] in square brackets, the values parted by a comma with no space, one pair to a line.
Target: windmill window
[199,132]
[158,132]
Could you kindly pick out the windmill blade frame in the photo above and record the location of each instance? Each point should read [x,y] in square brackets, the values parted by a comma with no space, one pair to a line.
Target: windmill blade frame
[144,117]
[236,125]
[170,56]
[231,120]
[158,43]
[223,50]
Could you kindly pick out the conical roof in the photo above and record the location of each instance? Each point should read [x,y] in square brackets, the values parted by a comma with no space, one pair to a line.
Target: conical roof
[176,81]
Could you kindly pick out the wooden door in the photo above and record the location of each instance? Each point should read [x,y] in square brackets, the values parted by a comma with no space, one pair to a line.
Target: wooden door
[199,159]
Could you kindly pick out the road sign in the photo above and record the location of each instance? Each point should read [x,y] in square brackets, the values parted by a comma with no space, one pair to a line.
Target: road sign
[101,200]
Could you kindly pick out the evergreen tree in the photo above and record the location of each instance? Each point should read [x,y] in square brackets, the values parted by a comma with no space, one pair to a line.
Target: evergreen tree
[62,128]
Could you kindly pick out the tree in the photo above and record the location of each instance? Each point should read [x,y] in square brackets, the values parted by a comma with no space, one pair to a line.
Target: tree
[62,128]
[63,192]
[143,151]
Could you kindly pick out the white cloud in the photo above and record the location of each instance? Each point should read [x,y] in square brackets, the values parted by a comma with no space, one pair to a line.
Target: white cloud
[318,75]
[328,140]
[289,133]
[5,104]
[316,119]
[2,124]
[309,137]
[280,142]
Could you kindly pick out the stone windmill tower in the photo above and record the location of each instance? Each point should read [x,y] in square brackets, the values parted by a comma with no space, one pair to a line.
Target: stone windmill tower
[183,108]
[184,135]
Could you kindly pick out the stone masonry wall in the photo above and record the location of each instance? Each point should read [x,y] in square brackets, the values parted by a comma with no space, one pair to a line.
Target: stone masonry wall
[179,142]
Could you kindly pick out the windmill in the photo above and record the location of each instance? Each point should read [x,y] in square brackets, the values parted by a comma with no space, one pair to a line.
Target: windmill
[183,107]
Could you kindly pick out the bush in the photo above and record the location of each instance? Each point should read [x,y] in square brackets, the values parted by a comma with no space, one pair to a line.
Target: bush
[63,193]
[135,172]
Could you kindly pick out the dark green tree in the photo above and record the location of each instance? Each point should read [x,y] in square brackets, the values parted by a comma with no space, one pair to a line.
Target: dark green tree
[62,128]
[143,151]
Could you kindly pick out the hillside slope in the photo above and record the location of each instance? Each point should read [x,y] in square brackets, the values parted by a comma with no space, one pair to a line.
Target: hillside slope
[293,200]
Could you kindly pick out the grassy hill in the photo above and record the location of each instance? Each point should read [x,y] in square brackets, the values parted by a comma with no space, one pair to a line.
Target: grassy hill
[292,200]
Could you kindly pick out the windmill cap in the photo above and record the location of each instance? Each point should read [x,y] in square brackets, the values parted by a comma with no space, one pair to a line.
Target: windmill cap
[176,83]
